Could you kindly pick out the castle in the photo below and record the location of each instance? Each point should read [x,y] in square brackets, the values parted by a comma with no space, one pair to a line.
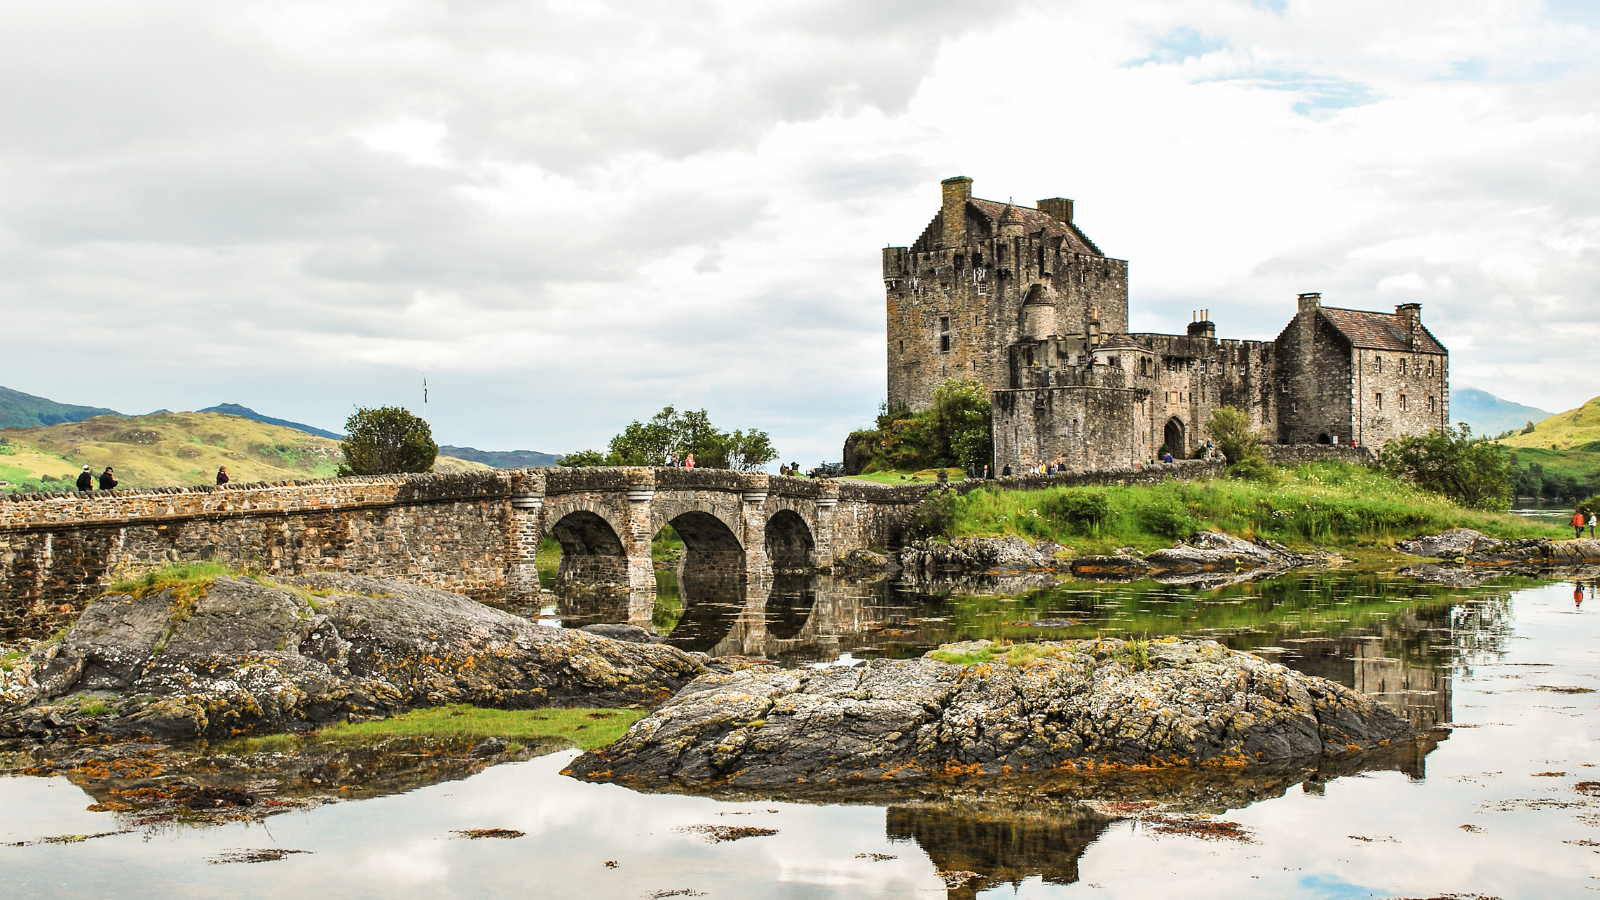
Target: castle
[1023,302]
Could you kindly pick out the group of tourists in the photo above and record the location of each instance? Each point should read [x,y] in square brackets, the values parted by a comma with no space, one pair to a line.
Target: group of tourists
[1053,467]
[1578,522]
[673,462]
[792,468]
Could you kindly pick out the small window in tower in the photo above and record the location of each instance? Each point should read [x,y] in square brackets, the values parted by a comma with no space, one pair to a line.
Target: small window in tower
[1402,375]
[944,343]
[1402,402]
[1379,399]
[1430,404]
[1379,361]
[944,334]
[902,348]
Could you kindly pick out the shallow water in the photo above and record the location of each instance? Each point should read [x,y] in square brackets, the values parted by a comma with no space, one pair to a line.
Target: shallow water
[1473,816]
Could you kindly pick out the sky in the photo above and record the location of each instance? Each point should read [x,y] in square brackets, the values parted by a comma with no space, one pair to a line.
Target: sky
[570,214]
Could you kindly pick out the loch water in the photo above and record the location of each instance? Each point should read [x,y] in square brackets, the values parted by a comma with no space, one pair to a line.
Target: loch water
[1502,801]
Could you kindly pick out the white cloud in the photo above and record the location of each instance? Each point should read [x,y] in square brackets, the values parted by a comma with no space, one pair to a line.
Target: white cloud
[571,214]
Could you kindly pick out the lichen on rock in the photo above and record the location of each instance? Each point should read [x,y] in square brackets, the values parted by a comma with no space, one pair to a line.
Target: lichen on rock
[253,656]
[1081,705]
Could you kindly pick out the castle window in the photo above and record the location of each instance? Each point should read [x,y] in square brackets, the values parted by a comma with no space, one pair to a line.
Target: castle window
[944,334]
[1430,404]
[1379,361]
[1430,368]
[902,348]
[1379,399]
[1402,375]
[1402,402]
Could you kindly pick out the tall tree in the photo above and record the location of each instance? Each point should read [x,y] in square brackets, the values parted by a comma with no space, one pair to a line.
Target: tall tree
[1472,471]
[681,433]
[386,440]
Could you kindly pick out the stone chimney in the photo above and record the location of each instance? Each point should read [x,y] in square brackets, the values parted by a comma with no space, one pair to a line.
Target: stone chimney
[1310,302]
[1202,326]
[1410,319]
[957,191]
[1058,208]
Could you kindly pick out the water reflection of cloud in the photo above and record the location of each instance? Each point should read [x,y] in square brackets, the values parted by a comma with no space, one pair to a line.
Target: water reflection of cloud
[419,861]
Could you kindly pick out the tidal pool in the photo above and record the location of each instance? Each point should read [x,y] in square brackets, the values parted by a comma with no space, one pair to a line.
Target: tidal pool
[1503,802]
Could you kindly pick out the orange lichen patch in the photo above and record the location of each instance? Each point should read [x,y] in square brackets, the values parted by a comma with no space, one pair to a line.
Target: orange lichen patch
[1592,788]
[1549,774]
[130,769]
[896,770]
[477,833]
[955,768]
[1227,762]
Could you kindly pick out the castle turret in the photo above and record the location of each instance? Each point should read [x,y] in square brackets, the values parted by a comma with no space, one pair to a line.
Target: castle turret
[1039,312]
[1011,222]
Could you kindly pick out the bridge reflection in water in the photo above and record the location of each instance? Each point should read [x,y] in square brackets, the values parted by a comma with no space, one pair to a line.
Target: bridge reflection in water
[1398,640]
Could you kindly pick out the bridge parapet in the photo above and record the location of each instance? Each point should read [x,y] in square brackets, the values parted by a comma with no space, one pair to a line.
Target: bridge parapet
[476,533]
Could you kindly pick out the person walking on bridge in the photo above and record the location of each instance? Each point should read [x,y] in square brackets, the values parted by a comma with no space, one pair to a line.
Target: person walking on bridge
[1577,523]
[85,480]
[108,481]
[222,475]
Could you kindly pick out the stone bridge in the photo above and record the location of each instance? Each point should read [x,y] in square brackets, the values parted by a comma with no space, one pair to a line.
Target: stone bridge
[476,533]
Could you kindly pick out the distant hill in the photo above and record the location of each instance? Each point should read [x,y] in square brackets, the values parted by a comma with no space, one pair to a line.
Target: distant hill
[1568,430]
[502,459]
[245,412]
[172,449]
[19,410]
[1489,415]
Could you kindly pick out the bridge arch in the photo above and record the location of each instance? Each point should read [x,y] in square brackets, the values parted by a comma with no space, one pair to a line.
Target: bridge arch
[592,551]
[790,543]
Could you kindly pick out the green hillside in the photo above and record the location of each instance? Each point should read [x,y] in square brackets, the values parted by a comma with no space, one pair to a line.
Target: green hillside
[19,410]
[1563,431]
[164,449]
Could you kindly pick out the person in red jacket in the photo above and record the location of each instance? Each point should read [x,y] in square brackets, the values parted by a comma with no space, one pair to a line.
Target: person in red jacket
[1577,524]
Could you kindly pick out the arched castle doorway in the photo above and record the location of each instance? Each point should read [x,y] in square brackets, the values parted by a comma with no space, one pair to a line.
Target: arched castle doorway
[1175,438]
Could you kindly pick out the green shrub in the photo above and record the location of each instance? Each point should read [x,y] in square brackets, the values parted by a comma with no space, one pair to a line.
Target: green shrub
[1083,510]
[1167,516]
[935,515]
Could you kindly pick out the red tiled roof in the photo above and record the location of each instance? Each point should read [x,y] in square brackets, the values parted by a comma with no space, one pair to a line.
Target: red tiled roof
[1379,331]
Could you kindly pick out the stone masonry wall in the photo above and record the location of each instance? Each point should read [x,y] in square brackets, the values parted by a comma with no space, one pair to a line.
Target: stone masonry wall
[57,550]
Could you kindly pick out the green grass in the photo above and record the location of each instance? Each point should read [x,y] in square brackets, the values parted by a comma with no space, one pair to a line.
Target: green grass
[585,728]
[921,476]
[1321,504]
[190,579]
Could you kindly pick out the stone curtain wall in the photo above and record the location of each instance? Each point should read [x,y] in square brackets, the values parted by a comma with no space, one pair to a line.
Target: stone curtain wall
[1295,454]
[58,550]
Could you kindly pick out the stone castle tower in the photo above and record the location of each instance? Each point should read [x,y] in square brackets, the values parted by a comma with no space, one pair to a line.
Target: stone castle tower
[1023,302]
[980,277]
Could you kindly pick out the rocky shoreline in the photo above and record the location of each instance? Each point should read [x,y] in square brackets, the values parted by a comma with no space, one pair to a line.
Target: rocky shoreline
[1089,705]
[1208,559]
[243,656]
[1468,557]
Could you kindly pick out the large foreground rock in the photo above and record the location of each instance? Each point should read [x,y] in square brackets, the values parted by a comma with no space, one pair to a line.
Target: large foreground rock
[291,655]
[1088,704]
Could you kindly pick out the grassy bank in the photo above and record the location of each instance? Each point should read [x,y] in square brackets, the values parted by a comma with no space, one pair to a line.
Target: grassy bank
[585,729]
[1322,504]
[921,476]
